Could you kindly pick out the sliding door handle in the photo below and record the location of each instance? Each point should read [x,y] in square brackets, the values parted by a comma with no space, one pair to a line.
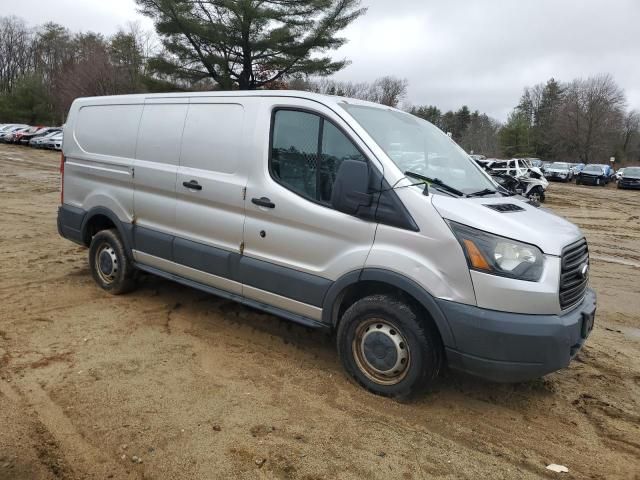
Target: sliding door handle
[263,202]
[193,185]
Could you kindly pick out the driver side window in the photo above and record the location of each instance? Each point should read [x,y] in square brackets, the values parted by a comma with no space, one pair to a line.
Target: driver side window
[306,152]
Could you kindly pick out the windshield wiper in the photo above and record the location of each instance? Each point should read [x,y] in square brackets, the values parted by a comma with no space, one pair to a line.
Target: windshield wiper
[482,193]
[435,181]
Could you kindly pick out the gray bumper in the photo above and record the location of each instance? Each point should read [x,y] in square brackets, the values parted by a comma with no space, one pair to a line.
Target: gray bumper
[512,347]
[70,223]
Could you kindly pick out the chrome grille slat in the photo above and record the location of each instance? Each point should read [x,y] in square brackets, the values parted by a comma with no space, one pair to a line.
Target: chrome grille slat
[572,283]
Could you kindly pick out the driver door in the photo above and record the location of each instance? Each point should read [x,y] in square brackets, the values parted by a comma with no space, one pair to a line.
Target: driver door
[295,243]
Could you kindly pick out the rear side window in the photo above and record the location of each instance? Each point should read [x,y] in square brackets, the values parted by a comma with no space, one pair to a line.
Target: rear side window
[212,136]
[121,123]
[306,152]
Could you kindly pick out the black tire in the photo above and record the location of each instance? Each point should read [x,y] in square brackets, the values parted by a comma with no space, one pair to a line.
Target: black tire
[395,332]
[111,268]
[536,193]
[577,180]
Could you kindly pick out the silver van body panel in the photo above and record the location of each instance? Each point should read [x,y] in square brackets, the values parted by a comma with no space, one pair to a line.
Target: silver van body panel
[537,226]
[431,257]
[187,272]
[519,296]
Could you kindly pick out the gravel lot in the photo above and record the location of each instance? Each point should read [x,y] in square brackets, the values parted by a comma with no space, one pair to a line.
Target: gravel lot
[194,386]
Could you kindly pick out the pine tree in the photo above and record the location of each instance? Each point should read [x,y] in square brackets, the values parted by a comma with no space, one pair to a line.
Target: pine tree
[249,44]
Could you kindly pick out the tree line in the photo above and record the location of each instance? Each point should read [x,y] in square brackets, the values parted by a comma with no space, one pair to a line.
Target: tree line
[43,69]
[583,120]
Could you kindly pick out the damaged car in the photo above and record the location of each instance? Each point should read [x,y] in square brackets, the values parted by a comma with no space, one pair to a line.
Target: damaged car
[559,171]
[592,175]
[630,178]
[520,177]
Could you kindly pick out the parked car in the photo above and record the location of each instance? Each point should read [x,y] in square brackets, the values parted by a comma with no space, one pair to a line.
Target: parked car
[409,268]
[577,168]
[559,171]
[535,162]
[608,170]
[592,175]
[10,126]
[519,176]
[40,141]
[6,136]
[630,178]
[25,138]
[17,136]
[55,142]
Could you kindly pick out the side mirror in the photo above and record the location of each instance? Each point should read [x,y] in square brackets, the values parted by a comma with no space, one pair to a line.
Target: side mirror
[350,187]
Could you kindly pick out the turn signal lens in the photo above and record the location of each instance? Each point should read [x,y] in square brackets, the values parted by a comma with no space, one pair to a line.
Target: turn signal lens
[475,256]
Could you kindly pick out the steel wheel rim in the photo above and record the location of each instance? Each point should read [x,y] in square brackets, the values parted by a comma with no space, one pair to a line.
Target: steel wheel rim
[106,263]
[381,351]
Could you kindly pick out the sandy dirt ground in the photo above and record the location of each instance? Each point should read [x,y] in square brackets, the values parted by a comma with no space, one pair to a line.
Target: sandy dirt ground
[171,383]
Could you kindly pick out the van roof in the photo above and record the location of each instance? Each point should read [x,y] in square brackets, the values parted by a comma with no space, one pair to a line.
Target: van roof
[322,98]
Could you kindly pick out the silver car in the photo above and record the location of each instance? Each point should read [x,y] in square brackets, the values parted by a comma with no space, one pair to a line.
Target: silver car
[334,213]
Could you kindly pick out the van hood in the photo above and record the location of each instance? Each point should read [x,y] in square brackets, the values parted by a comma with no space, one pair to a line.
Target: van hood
[538,226]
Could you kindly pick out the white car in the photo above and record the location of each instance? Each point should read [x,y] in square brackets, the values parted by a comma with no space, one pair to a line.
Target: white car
[54,142]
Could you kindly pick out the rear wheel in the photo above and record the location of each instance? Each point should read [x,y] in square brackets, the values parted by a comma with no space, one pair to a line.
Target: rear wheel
[111,268]
[387,348]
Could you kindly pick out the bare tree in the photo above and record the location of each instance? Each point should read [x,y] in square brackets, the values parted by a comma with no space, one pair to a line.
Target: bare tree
[385,90]
[590,118]
[389,90]
[16,52]
[630,132]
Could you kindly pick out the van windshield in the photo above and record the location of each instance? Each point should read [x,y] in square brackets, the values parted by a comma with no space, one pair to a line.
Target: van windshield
[417,146]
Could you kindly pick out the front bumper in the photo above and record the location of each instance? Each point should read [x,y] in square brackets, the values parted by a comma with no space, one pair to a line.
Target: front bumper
[513,347]
[556,176]
[627,183]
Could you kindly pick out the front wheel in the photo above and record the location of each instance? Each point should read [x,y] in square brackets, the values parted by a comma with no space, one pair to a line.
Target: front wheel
[387,348]
[536,194]
[110,266]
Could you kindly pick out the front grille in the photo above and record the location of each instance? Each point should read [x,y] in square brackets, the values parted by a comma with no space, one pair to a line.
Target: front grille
[629,182]
[573,282]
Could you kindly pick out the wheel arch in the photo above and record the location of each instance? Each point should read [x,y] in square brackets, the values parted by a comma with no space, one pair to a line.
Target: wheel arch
[360,283]
[101,218]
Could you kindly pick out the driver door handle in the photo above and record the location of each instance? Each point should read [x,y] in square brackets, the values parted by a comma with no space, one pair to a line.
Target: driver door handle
[263,202]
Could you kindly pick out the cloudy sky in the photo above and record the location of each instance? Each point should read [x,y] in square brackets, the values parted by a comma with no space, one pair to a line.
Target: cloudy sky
[475,52]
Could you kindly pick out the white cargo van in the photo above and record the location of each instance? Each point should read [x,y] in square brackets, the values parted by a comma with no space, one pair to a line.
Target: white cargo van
[333,213]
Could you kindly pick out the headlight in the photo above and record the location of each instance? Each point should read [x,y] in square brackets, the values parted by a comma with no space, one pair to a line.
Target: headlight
[497,255]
